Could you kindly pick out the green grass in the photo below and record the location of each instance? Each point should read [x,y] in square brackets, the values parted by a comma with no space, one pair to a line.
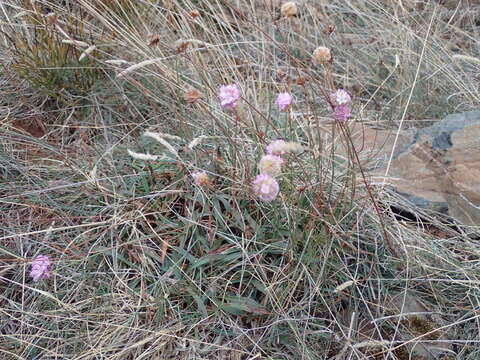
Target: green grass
[149,266]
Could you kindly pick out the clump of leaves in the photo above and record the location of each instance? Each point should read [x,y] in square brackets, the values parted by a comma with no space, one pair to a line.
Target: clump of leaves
[50,52]
[124,10]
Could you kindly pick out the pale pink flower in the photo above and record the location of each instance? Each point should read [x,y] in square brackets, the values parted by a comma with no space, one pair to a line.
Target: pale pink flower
[322,55]
[200,178]
[340,97]
[342,113]
[265,187]
[283,101]
[276,147]
[229,96]
[40,268]
[270,164]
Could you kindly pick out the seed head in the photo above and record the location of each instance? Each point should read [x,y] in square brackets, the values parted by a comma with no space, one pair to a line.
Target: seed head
[281,147]
[141,156]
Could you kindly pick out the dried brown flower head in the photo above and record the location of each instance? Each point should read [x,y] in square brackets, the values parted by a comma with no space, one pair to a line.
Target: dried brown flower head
[181,46]
[289,9]
[194,13]
[51,18]
[301,81]
[192,96]
[154,39]
[330,29]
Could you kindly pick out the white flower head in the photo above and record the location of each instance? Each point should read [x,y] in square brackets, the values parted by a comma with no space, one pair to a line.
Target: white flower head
[340,97]
[271,165]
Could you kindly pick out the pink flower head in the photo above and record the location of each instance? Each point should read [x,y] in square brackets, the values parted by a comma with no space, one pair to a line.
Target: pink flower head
[265,187]
[276,147]
[200,178]
[40,268]
[229,96]
[340,97]
[270,164]
[342,113]
[283,101]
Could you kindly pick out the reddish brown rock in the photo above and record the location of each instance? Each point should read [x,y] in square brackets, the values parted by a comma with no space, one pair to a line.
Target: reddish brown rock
[435,168]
